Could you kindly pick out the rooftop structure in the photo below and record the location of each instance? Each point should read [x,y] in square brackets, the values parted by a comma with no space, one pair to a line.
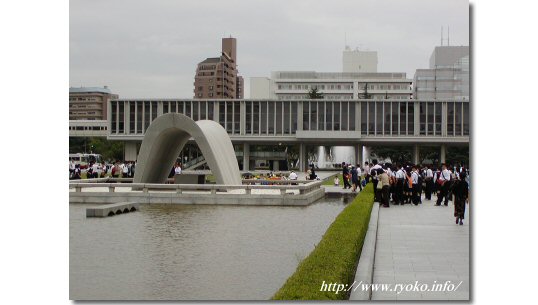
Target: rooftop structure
[359,61]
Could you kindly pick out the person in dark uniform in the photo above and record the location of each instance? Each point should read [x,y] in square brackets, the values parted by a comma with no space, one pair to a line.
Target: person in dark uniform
[443,181]
[460,190]
[428,177]
[345,175]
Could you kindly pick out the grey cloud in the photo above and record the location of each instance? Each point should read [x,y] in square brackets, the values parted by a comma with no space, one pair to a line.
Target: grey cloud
[151,48]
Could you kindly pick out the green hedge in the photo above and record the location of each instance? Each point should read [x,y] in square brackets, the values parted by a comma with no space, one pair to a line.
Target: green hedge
[335,258]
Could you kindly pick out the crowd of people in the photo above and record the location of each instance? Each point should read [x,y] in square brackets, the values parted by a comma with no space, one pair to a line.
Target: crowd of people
[100,170]
[401,184]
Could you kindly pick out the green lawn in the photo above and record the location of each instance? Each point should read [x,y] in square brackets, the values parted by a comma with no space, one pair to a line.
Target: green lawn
[335,258]
[330,180]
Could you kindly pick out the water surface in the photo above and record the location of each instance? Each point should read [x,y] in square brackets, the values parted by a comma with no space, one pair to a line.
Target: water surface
[192,252]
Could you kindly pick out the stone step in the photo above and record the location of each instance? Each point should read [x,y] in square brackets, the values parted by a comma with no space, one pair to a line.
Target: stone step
[112,209]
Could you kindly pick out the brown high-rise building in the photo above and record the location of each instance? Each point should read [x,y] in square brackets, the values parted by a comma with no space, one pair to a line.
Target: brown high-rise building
[217,77]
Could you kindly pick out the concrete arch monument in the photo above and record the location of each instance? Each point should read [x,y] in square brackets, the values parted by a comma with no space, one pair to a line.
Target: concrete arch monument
[165,138]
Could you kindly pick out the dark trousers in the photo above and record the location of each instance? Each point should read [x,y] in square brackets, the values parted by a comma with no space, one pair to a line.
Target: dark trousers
[443,193]
[415,197]
[399,191]
[459,207]
[429,188]
[346,182]
[376,191]
[385,193]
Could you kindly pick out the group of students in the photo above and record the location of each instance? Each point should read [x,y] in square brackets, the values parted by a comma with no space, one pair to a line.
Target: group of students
[402,184]
[97,170]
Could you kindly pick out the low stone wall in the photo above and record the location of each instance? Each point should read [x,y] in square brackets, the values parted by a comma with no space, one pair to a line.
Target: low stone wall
[283,195]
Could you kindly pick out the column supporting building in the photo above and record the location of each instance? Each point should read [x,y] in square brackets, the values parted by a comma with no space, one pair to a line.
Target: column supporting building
[358,155]
[302,157]
[416,154]
[246,156]
[130,151]
[366,154]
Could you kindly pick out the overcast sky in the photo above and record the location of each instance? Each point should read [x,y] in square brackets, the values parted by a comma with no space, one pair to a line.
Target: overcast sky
[150,49]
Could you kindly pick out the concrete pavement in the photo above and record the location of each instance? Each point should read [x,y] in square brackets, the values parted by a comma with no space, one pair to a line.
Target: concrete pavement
[422,243]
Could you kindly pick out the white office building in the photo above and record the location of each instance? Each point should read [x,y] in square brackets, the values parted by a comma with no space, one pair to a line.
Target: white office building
[447,76]
[359,61]
[295,85]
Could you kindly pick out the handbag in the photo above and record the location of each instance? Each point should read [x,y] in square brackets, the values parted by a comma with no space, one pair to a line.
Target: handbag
[379,186]
[440,181]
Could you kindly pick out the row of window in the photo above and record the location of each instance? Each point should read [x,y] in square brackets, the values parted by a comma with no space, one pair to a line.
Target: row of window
[343,86]
[389,118]
[87,127]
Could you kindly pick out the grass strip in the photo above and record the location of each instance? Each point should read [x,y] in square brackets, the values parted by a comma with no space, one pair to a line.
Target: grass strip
[335,258]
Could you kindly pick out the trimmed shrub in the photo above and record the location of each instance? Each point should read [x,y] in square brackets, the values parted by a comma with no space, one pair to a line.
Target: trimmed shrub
[335,258]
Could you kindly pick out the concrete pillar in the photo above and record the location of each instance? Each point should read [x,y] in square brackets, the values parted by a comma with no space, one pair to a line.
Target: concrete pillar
[416,154]
[130,151]
[358,155]
[159,108]
[127,111]
[442,157]
[302,157]
[246,156]
[276,167]
[416,119]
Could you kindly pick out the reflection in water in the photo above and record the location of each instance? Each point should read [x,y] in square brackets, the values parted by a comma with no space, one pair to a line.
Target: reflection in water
[192,252]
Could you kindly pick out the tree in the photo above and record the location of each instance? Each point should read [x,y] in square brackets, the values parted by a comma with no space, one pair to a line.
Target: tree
[365,95]
[313,94]
[109,150]
[396,154]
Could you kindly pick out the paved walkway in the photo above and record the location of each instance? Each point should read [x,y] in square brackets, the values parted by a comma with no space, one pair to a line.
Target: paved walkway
[421,243]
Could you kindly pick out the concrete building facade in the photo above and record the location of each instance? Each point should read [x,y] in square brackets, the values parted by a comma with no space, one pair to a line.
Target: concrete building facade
[217,77]
[357,123]
[89,103]
[447,76]
[359,61]
[294,85]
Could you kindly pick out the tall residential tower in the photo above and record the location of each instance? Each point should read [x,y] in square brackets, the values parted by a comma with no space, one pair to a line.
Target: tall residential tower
[217,77]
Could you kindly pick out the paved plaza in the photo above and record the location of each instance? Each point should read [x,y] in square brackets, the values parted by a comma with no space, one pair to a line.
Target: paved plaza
[421,243]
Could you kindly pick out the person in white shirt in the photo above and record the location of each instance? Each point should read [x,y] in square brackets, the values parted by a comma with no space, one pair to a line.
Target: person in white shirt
[400,179]
[414,177]
[373,173]
[429,182]
[359,176]
[293,176]
[177,169]
[124,170]
[95,170]
[71,168]
[444,184]
[336,181]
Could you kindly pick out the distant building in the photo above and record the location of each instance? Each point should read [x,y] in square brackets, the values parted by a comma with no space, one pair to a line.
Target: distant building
[294,85]
[89,103]
[359,61]
[217,77]
[447,76]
